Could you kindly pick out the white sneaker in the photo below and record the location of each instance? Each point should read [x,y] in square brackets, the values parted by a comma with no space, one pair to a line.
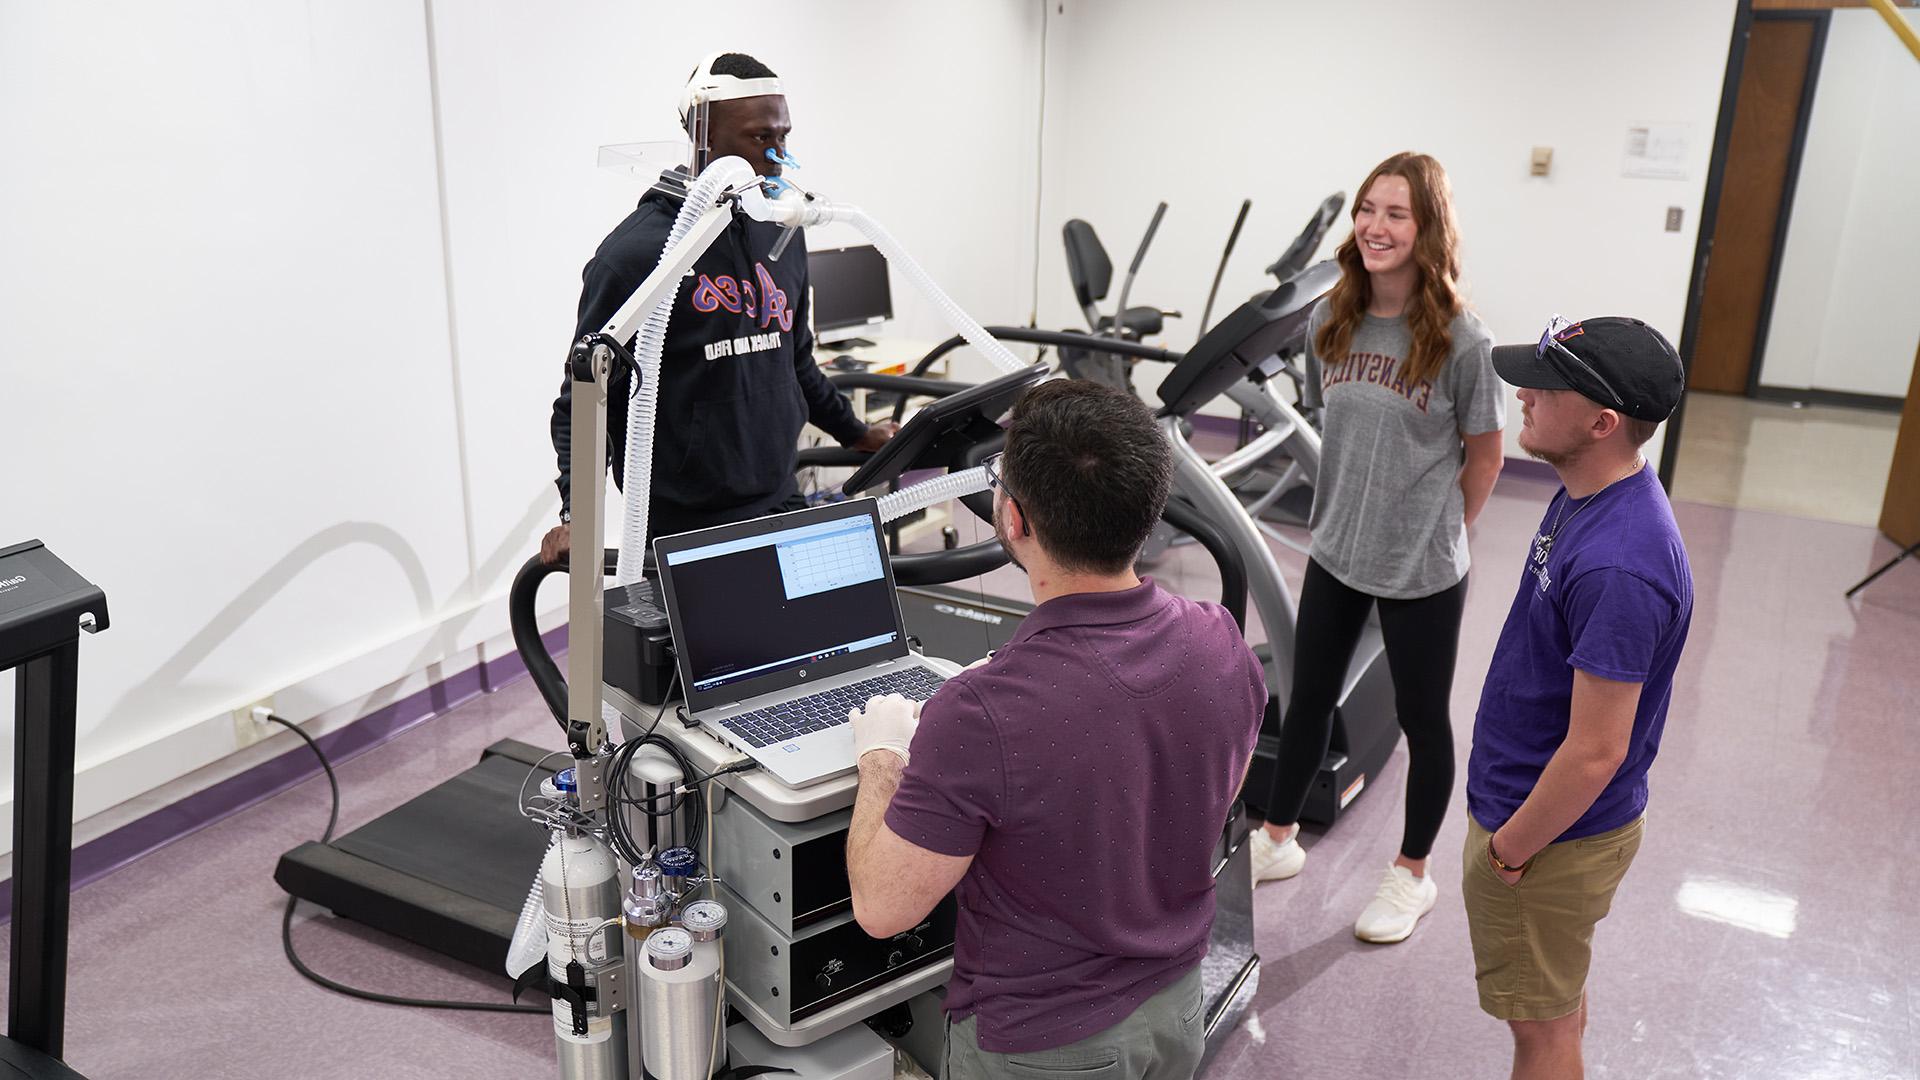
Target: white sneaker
[1397,907]
[1275,860]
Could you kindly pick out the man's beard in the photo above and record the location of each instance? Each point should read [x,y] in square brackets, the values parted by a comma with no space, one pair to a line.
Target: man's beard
[1559,459]
[1551,457]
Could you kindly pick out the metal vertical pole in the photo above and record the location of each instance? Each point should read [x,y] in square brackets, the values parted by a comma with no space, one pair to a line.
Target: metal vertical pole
[43,717]
[585,580]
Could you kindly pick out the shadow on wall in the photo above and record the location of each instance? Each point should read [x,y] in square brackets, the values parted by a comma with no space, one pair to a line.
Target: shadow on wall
[148,695]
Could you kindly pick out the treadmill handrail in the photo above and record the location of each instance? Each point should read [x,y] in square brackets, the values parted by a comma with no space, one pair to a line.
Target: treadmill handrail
[1034,336]
[523,616]
[1189,519]
[896,384]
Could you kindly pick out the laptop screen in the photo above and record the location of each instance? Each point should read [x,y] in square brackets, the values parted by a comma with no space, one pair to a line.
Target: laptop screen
[763,605]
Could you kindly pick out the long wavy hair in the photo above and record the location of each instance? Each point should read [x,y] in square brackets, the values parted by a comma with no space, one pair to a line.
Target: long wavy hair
[1435,301]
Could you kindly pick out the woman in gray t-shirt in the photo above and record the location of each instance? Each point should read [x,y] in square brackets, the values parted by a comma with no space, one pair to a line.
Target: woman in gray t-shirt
[1413,415]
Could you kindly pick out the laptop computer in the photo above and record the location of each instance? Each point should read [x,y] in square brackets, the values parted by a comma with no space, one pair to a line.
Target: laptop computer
[782,624]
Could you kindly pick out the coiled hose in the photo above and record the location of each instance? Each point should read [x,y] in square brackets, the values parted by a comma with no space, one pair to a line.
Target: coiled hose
[727,172]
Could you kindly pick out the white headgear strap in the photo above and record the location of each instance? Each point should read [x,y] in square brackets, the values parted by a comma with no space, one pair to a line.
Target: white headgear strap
[705,86]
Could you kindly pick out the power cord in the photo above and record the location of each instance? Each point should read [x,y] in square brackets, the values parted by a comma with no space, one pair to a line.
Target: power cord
[286,920]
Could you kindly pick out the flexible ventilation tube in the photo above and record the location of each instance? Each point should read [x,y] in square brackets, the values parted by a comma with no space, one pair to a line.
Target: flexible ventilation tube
[795,209]
[722,174]
[897,257]
[529,944]
[937,490]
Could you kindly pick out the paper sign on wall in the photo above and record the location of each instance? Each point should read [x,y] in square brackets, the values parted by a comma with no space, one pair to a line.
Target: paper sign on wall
[1656,152]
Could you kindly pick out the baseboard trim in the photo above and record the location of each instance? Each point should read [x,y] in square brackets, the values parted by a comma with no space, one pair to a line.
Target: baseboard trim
[1845,399]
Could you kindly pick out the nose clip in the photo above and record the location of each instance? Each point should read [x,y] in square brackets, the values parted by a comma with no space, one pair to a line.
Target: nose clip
[784,161]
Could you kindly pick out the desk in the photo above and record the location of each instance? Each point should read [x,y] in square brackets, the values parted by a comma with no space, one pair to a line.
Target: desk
[884,357]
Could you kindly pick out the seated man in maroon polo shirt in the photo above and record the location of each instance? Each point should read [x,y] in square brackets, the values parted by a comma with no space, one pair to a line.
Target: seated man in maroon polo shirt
[1073,785]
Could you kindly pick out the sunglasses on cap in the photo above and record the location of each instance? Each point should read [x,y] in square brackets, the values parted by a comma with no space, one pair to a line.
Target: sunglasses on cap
[1553,353]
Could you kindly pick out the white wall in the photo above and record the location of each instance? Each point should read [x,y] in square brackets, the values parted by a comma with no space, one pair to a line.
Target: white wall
[1843,315]
[1286,103]
[225,356]
[298,432]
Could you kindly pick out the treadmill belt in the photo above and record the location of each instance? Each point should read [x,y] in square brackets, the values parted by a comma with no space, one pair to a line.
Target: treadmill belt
[465,835]
[448,870]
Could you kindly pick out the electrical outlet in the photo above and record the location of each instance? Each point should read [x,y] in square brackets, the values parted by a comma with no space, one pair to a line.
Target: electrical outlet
[247,730]
[1673,219]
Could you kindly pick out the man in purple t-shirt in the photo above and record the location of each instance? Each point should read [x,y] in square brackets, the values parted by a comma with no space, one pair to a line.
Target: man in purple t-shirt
[1576,697]
[1072,786]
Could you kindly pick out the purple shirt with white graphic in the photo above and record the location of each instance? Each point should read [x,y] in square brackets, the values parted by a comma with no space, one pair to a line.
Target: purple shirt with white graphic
[1613,597]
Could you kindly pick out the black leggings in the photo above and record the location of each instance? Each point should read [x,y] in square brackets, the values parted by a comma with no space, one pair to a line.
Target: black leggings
[1422,638]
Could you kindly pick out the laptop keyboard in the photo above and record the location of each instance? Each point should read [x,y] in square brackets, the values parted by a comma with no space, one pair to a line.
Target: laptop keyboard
[763,727]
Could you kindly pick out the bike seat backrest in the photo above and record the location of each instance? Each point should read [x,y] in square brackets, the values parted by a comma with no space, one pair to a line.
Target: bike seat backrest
[1087,264]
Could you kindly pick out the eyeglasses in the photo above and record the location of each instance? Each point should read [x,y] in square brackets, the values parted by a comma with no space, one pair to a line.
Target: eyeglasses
[1550,347]
[992,466]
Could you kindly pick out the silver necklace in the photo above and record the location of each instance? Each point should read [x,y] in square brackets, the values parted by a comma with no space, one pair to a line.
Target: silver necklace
[1543,542]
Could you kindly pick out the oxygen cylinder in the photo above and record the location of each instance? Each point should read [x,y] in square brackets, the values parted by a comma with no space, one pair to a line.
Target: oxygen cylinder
[647,907]
[680,987]
[580,893]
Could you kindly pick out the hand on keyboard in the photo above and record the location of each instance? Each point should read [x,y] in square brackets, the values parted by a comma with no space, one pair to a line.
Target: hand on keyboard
[887,723]
[828,708]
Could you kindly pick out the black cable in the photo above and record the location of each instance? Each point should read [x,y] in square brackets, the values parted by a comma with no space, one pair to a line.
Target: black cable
[618,774]
[286,920]
[673,680]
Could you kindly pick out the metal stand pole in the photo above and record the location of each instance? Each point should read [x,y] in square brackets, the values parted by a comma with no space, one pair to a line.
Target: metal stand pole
[43,717]
[1870,578]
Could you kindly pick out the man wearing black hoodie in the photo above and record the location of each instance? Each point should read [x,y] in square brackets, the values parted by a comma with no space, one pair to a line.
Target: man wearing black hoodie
[738,379]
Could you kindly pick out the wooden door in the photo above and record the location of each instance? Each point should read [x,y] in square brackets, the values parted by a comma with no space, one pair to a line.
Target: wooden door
[1760,155]
[1900,511]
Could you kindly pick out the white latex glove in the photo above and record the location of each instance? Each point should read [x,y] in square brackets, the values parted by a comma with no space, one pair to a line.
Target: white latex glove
[887,723]
[982,662]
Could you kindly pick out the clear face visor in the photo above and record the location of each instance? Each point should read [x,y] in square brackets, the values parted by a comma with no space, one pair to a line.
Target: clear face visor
[699,127]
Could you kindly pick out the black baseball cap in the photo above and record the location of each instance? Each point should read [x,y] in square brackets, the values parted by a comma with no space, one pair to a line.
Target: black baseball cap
[1617,362]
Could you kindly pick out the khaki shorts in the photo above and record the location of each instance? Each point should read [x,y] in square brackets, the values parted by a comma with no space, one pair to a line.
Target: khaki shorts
[1532,942]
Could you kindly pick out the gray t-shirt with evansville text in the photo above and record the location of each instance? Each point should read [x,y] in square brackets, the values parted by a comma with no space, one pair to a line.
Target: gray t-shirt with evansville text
[1388,514]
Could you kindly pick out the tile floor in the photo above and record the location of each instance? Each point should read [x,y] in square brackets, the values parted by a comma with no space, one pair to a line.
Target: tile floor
[1818,461]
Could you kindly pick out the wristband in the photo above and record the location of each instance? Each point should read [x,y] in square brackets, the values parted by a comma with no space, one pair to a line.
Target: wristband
[1499,863]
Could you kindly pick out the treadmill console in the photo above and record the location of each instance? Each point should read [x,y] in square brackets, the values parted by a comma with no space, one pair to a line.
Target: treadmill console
[1241,345]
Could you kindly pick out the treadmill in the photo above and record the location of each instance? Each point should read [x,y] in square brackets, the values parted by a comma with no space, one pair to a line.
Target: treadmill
[449,869]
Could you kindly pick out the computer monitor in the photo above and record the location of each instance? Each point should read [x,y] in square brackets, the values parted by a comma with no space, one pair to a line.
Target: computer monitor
[851,295]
